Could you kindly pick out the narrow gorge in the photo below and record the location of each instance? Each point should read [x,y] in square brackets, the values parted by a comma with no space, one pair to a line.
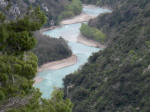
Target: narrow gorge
[53,73]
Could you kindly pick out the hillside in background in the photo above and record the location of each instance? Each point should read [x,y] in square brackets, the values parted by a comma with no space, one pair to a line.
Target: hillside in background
[118,78]
[55,10]
[17,8]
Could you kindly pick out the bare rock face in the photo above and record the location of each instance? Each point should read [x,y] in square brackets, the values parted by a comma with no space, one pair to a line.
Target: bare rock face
[15,11]
[17,8]
[149,67]
[32,1]
[45,8]
[10,9]
[3,3]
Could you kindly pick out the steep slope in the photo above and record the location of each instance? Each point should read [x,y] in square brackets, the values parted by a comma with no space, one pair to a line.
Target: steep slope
[118,78]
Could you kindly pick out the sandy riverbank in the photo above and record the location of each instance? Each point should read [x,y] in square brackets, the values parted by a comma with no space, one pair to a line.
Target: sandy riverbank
[59,64]
[47,29]
[55,65]
[73,59]
[83,17]
[38,80]
[83,40]
[77,19]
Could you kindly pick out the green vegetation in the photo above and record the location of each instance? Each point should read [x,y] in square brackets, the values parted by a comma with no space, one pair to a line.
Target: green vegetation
[55,104]
[51,8]
[92,33]
[55,9]
[46,49]
[16,37]
[50,49]
[71,9]
[18,67]
[118,78]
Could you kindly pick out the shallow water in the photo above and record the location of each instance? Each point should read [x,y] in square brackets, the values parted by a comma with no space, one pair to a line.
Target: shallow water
[94,11]
[68,32]
[54,78]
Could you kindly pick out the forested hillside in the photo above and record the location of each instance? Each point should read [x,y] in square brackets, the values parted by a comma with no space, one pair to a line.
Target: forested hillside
[118,78]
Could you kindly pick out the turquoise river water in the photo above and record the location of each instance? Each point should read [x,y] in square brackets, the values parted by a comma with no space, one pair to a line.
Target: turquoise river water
[54,78]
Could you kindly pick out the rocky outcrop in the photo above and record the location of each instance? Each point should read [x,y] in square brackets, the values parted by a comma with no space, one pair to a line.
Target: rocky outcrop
[3,3]
[17,8]
[14,11]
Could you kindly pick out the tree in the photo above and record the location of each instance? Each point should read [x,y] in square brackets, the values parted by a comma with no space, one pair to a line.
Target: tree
[18,67]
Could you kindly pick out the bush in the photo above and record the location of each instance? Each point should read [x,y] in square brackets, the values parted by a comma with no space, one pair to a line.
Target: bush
[2,95]
[66,14]
[92,33]
[74,8]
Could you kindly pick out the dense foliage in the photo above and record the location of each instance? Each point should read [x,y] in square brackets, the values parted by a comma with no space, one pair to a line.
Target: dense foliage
[55,104]
[50,49]
[72,9]
[18,67]
[92,33]
[118,78]
[16,36]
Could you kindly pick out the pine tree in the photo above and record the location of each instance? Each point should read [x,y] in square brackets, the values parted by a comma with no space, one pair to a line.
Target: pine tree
[18,67]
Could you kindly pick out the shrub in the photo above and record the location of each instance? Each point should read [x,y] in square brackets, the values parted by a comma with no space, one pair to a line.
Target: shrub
[92,33]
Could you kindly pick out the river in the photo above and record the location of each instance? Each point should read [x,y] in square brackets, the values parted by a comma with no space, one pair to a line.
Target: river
[70,31]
